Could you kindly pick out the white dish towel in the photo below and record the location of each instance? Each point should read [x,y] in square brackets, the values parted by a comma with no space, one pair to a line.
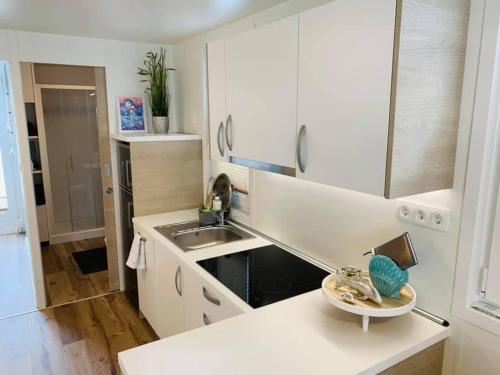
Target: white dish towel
[137,257]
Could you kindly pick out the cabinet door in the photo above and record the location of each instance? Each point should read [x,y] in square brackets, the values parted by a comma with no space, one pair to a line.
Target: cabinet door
[217,99]
[345,68]
[146,281]
[261,93]
[170,283]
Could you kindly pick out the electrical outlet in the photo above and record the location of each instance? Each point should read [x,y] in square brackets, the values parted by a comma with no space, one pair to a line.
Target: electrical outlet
[424,215]
[405,212]
[420,216]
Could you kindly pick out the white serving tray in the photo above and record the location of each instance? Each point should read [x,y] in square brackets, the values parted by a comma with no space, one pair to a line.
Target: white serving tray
[389,307]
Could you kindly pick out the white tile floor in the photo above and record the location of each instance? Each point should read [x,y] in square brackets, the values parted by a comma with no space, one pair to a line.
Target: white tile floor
[17,295]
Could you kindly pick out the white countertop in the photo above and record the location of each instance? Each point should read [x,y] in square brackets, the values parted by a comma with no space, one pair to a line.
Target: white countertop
[301,335]
[152,137]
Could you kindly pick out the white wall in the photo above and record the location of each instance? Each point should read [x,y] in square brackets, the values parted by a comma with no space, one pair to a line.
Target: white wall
[120,59]
[335,225]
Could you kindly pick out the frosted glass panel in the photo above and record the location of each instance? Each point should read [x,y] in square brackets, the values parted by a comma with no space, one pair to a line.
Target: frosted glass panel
[73,153]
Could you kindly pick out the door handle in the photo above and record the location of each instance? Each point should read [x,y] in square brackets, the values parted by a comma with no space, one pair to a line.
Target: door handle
[178,283]
[220,143]
[300,138]
[229,123]
[206,320]
[109,190]
[208,297]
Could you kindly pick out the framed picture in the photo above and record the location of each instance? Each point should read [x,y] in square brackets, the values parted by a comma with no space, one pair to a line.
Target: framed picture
[131,114]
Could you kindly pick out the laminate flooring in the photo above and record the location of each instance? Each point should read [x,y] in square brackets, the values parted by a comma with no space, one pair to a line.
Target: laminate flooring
[83,337]
[63,280]
[16,276]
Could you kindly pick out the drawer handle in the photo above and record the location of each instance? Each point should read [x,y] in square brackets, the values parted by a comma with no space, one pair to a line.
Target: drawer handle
[207,295]
[206,320]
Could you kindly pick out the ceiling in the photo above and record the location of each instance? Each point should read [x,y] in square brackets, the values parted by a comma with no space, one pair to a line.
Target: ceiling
[157,21]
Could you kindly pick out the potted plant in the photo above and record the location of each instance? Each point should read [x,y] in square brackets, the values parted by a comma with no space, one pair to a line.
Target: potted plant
[155,73]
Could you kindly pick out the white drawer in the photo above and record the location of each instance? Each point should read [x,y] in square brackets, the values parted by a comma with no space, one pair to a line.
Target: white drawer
[206,305]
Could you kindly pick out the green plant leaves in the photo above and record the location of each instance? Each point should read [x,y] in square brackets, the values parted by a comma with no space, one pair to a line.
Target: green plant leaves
[156,73]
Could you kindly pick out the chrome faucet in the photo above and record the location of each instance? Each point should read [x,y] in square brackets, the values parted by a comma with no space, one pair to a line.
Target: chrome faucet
[221,218]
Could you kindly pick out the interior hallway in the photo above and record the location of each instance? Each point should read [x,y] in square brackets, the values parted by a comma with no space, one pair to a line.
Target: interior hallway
[16,276]
[78,338]
[64,282]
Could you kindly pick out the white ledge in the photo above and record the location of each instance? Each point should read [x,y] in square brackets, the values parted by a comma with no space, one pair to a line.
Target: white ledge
[152,137]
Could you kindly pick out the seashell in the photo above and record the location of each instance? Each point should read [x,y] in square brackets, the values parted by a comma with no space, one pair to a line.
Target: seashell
[386,276]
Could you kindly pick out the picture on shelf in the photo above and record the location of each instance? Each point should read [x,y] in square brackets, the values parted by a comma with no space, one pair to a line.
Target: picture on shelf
[131,114]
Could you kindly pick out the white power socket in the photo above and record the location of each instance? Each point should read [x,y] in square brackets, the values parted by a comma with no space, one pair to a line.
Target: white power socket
[424,215]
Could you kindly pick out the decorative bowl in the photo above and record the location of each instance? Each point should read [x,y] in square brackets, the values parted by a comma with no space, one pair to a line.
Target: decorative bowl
[386,276]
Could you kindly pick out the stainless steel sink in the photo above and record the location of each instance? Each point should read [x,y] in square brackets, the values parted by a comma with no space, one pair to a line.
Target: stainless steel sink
[191,236]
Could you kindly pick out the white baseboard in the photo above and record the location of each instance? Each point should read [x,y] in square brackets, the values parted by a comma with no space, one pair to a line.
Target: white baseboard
[77,236]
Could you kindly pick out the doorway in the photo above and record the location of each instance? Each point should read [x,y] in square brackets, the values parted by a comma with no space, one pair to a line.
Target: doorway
[69,142]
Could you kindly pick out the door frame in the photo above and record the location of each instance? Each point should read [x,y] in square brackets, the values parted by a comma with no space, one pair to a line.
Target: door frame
[61,237]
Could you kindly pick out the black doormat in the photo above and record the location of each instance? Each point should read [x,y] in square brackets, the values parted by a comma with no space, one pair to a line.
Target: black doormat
[93,260]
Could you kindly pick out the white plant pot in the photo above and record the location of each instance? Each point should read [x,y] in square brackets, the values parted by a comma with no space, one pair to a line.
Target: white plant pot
[160,124]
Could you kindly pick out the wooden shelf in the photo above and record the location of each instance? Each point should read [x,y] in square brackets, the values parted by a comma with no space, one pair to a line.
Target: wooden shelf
[33,137]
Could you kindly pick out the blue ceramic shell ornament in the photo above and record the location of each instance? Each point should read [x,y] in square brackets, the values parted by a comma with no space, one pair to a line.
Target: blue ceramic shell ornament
[386,276]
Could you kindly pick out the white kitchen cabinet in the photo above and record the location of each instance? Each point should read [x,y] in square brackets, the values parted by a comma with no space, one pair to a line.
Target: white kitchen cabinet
[146,280]
[345,67]
[169,294]
[379,94]
[217,99]
[261,93]
[205,304]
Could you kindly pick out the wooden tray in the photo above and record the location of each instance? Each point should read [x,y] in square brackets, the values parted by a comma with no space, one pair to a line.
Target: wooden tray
[389,306]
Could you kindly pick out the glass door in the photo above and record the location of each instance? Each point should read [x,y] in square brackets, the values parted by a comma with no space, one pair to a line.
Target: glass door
[72,144]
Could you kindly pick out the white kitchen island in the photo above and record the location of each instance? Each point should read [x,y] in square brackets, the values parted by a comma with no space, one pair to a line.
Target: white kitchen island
[300,335]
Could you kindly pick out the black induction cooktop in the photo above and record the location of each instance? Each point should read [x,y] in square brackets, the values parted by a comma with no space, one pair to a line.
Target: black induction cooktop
[265,275]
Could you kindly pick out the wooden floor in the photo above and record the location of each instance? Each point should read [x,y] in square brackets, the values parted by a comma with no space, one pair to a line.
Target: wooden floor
[16,276]
[79,338]
[63,280]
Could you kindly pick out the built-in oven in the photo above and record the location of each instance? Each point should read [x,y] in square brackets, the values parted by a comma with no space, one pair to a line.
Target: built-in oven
[127,209]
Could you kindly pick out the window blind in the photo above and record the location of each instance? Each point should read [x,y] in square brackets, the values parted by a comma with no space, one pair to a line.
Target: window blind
[237,174]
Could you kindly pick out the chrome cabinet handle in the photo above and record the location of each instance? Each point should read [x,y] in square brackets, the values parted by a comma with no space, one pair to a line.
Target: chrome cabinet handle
[208,297]
[127,173]
[130,205]
[178,284]
[206,320]
[229,122]
[220,143]
[300,137]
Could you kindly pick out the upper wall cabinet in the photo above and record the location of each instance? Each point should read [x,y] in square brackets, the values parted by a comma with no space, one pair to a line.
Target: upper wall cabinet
[345,68]
[379,94]
[261,93]
[358,94]
[217,100]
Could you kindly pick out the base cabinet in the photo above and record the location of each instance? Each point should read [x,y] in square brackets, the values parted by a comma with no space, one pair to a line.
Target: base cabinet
[146,280]
[205,304]
[173,297]
[169,293]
